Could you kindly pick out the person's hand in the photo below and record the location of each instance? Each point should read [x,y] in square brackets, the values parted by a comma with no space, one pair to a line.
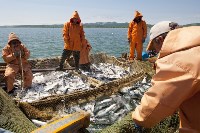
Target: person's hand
[143,40]
[137,128]
[16,53]
[88,47]
[129,40]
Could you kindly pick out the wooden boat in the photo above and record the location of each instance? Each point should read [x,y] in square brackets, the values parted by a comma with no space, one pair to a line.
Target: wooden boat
[47,107]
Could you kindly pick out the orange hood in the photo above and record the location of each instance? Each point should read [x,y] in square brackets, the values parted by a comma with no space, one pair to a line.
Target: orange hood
[75,15]
[137,14]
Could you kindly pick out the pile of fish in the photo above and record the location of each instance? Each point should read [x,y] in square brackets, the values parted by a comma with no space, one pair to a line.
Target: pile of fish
[106,72]
[58,82]
[53,83]
[104,111]
[107,110]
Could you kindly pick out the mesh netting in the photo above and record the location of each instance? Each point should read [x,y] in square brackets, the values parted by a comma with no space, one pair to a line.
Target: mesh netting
[126,125]
[40,109]
[11,117]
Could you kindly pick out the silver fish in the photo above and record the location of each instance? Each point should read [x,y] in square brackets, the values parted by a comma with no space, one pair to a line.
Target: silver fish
[103,112]
[38,123]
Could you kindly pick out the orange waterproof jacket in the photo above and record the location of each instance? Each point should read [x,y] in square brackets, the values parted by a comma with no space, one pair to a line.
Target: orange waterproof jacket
[73,34]
[176,83]
[8,52]
[84,53]
[137,31]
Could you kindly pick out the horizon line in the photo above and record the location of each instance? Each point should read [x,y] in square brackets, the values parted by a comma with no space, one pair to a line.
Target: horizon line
[83,23]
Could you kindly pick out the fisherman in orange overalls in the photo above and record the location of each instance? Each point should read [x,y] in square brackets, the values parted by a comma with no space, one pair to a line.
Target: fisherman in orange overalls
[16,54]
[137,33]
[73,36]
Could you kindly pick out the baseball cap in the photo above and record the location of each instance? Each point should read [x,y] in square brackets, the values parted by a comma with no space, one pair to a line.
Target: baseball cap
[158,29]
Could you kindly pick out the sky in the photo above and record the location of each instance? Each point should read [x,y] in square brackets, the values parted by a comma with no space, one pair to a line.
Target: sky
[36,12]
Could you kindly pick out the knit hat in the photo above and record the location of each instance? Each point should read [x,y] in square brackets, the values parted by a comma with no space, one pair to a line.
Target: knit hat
[158,29]
[12,36]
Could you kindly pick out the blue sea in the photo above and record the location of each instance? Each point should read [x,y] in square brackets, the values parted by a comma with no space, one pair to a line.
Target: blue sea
[48,42]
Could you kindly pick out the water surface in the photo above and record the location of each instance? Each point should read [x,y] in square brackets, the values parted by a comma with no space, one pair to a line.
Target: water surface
[48,42]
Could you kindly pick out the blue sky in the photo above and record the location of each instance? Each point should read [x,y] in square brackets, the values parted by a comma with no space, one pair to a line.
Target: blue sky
[25,12]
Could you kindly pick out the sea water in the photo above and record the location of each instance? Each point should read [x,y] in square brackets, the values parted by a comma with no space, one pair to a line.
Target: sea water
[48,42]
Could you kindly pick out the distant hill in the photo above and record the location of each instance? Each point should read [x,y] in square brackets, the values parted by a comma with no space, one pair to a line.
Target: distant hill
[87,25]
[194,24]
[33,26]
[105,25]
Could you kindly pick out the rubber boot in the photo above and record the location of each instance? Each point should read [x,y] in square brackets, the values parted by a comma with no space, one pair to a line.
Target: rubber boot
[65,54]
[76,55]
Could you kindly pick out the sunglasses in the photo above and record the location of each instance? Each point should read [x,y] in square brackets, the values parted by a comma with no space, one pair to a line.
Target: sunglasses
[14,42]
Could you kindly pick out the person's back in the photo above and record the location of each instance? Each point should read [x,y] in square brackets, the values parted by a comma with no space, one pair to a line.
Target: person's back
[84,56]
[176,84]
[181,48]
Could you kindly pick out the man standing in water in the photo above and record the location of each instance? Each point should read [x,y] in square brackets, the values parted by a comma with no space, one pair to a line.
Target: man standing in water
[73,35]
[176,84]
[137,32]
[16,55]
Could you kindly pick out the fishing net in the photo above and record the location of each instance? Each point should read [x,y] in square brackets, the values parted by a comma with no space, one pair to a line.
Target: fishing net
[46,108]
[11,118]
[126,125]
[135,73]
